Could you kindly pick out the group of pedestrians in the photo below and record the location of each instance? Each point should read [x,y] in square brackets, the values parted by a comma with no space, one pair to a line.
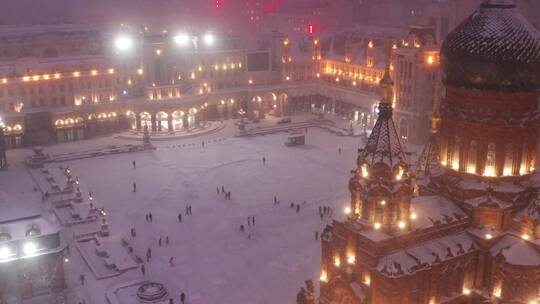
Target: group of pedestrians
[222,190]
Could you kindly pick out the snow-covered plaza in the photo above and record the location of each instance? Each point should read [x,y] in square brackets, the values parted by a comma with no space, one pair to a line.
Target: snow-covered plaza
[212,260]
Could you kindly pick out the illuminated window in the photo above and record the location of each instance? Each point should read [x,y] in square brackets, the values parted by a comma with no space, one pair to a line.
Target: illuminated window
[508,160]
[472,157]
[455,154]
[524,160]
[490,160]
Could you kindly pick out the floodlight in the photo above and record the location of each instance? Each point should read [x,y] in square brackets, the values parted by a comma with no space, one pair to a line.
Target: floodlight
[123,43]
[5,252]
[209,39]
[30,248]
[181,39]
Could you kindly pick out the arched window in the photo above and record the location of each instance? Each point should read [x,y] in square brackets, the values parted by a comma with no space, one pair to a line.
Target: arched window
[472,157]
[490,160]
[524,160]
[455,153]
[508,160]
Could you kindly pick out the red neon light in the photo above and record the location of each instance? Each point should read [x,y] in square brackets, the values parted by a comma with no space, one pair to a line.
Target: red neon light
[310,29]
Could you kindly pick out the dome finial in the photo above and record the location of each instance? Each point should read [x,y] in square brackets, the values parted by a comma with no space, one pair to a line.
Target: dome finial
[386,83]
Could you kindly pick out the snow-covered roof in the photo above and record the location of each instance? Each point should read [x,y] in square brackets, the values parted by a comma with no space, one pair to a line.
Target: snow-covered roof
[425,255]
[516,251]
[434,210]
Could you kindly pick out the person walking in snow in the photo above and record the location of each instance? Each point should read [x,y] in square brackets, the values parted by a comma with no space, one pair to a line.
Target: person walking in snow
[253,220]
[264,160]
[222,189]
[148,254]
[297,208]
[217,190]
[133,233]
[203,144]
[159,242]
[82,278]
[150,217]
[134,164]
[167,240]
[316,235]
[183,298]
[171,262]
[179,217]
[143,269]
[134,187]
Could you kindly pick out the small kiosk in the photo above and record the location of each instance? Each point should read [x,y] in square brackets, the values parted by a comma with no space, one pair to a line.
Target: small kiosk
[296,138]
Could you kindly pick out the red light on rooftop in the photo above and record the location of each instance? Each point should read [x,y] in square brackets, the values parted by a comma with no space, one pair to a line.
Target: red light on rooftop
[311,29]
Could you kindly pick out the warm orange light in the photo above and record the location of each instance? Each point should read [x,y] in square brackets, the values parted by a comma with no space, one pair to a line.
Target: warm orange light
[26,78]
[46,76]
[111,71]
[94,72]
[57,75]
[76,74]
[370,44]
[337,261]
[324,276]
[351,259]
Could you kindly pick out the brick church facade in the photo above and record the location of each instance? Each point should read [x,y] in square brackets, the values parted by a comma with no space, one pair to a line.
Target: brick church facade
[463,224]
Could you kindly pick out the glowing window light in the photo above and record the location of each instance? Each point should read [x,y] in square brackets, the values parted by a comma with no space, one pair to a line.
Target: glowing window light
[525,236]
[324,276]
[250,81]
[365,172]
[370,44]
[110,71]
[318,75]
[158,52]
[347,210]
[402,225]
[471,169]
[57,76]
[337,261]
[466,291]
[26,78]
[351,259]
[367,279]
[30,248]
[377,226]
[430,59]
[4,80]
[140,71]
[46,76]
[35,77]
[413,216]
[507,171]
[94,72]
[489,236]
[455,165]
[76,74]
[383,202]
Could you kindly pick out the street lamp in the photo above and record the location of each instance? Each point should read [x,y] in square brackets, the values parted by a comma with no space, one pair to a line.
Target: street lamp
[181,39]
[123,43]
[209,39]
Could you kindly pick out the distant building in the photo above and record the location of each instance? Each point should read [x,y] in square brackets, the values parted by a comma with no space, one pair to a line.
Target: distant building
[416,71]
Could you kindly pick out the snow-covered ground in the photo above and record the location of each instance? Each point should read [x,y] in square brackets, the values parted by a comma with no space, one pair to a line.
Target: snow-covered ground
[214,261]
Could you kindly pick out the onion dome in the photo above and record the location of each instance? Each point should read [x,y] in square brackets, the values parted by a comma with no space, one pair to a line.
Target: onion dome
[496,48]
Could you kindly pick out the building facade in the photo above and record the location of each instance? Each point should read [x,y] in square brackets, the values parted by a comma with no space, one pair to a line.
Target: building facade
[463,227]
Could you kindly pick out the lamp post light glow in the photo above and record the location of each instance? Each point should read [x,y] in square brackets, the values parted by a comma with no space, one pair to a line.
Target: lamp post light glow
[30,248]
[123,43]
[5,253]
[181,39]
[347,210]
[209,39]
